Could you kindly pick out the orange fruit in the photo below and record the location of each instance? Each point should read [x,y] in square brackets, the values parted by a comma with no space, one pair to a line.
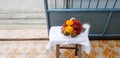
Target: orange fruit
[69,22]
[68,29]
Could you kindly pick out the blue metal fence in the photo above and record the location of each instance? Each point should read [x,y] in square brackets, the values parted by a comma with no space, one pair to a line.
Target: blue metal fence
[84,4]
[59,10]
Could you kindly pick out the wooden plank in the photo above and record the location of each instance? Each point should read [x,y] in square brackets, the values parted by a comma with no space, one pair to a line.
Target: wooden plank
[76,50]
[67,47]
[57,51]
[79,51]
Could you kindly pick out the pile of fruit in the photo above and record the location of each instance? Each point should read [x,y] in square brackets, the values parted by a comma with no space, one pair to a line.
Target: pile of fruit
[71,27]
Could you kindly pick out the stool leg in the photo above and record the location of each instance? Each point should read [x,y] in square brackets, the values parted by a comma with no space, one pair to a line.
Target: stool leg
[57,51]
[76,50]
[79,50]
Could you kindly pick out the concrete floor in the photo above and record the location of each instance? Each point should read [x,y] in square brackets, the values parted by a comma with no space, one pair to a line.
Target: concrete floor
[22,14]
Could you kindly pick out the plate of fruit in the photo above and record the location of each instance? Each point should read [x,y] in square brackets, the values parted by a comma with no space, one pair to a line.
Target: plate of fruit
[71,27]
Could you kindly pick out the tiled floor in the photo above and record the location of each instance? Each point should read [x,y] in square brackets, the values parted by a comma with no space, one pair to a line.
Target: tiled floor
[23,49]
[36,49]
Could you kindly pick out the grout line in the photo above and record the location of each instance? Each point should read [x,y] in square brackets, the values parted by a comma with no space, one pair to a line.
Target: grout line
[24,39]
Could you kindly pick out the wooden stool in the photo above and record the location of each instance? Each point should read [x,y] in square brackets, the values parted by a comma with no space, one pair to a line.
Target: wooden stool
[77,50]
[56,38]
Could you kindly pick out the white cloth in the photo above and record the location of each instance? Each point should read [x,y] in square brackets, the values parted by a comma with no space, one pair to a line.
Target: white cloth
[56,37]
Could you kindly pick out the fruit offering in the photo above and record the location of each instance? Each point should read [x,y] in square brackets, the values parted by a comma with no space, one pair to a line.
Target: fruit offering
[71,27]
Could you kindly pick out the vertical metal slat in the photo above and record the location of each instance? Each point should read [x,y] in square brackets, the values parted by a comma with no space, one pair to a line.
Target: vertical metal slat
[80,3]
[107,23]
[47,15]
[89,4]
[64,4]
[67,4]
[97,4]
[46,4]
[55,4]
[114,3]
[106,3]
[72,3]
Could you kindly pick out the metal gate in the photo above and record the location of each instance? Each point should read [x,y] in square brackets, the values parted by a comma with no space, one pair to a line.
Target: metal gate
[103,15]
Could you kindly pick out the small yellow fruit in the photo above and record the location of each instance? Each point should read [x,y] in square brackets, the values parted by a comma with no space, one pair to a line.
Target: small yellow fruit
[68,29]
[69,22]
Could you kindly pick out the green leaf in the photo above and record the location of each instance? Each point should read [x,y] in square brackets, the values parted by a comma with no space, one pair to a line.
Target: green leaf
[64,32]
[71,33]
